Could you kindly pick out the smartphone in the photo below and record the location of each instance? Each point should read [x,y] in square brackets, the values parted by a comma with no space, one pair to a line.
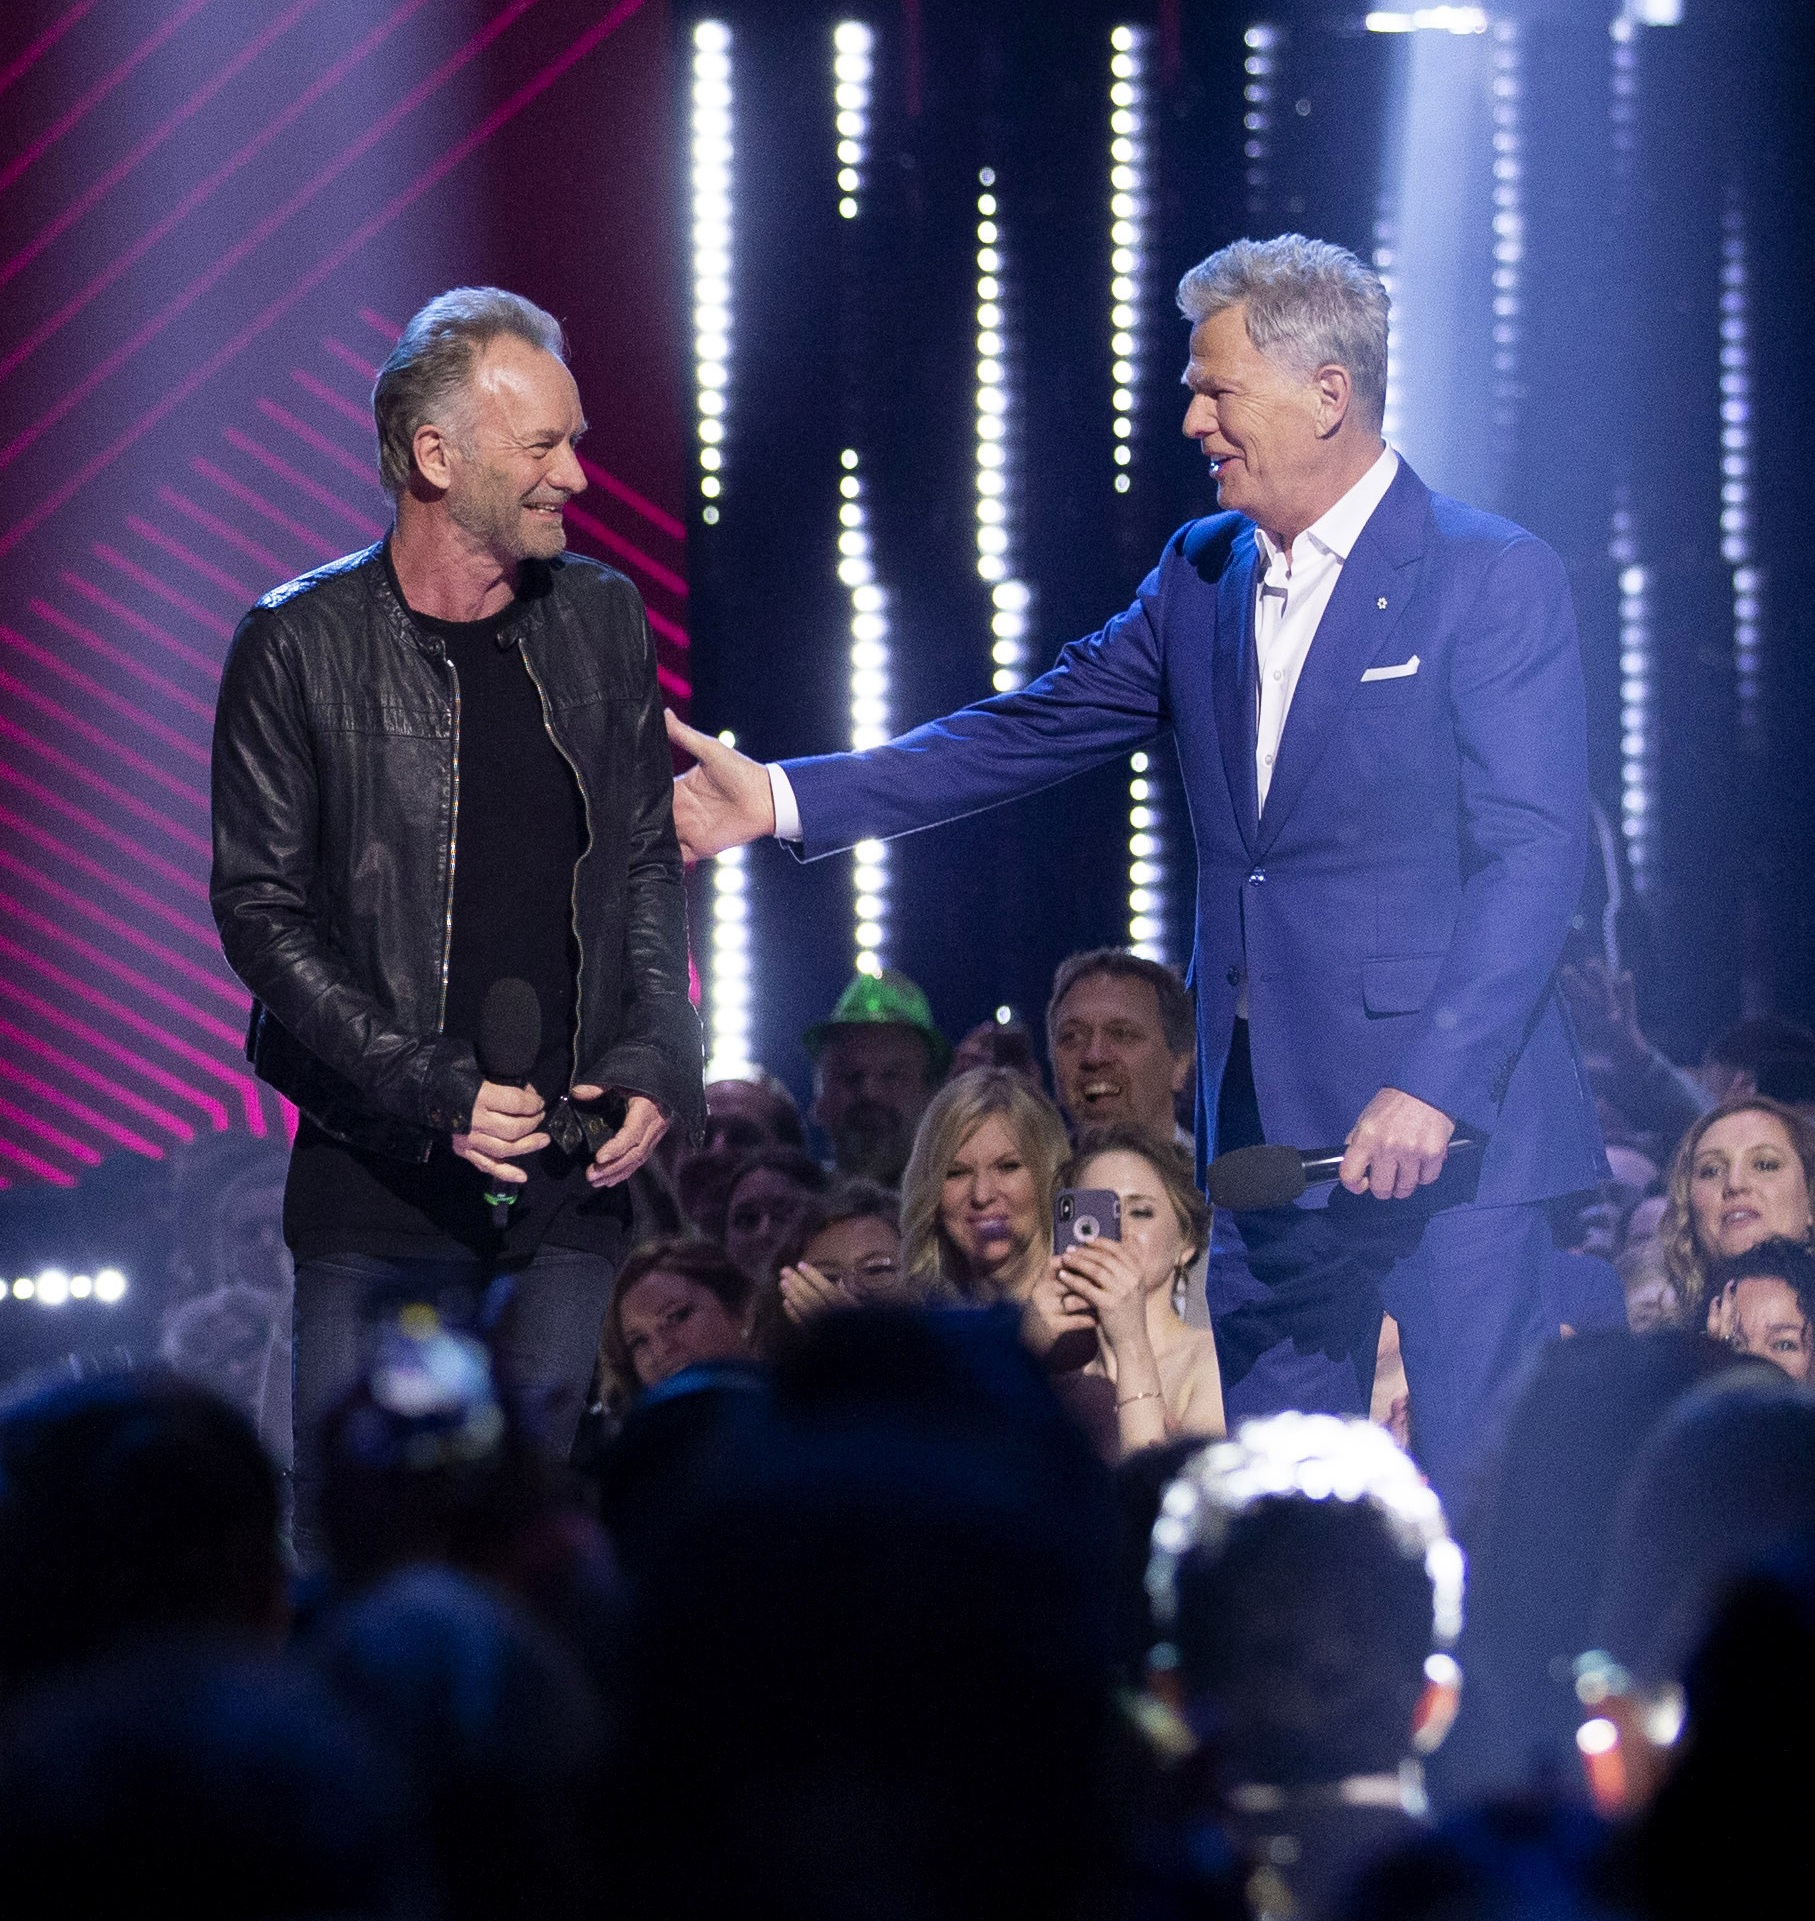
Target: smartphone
[1081,1215]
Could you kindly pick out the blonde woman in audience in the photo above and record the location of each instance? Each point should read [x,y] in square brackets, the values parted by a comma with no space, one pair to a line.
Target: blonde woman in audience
[976,1201]
[1165,1374]
[1744,1174]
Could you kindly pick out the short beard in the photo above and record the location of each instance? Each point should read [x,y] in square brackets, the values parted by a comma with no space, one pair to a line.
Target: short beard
[873,1142]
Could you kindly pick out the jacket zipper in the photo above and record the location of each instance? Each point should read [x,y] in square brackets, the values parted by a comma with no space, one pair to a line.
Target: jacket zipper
[453,849]
[573,899]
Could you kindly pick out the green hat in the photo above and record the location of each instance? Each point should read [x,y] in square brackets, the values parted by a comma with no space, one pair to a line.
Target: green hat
[887,999]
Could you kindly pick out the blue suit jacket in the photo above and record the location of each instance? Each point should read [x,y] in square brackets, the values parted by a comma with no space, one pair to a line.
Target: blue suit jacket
[1399,908]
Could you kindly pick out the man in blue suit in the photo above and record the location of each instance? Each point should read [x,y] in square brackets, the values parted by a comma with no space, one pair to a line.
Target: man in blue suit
[1376,698]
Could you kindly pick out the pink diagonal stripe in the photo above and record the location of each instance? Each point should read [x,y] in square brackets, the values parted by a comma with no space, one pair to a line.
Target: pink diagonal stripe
[80,770]
[118,704]
[81,863]
[153,584]
[99,92]
[377,322]
[639,503]
[34,1164]
[322,496]
[359,416]
[126,661]
[222,531]
[51,1136]
[210,981]
[675,636]
[250,497]
[216,1110]
[662,576]
[207,188]
[667,677]
[249,243]
[196,564]
[348,357]
[310,437]
[124,1016]
[307,284]
[137,852]
[93,195]
[88,1116]
[44,42]
[79,1070]
[191,656]
[141,984]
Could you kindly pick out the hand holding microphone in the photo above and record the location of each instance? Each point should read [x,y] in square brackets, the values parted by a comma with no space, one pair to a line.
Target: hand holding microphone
[507,1116]
[1398,1145]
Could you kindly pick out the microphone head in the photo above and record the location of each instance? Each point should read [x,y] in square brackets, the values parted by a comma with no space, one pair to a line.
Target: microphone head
[510,1030]
[1266,1176]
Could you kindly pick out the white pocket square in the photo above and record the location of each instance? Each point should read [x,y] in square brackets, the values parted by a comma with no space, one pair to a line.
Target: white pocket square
[1405,668]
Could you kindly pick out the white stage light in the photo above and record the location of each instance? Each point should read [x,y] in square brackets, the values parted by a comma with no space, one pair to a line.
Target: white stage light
[852,42]
[1736,472]
[1128,190]
[1011,598]
[870,705]
[1147,862]
[712,235]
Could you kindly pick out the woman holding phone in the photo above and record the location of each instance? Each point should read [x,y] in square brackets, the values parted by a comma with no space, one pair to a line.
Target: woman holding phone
[1166,1378]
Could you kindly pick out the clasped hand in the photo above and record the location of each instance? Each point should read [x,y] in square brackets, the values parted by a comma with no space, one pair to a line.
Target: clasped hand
[1397,1146]
[507,1126]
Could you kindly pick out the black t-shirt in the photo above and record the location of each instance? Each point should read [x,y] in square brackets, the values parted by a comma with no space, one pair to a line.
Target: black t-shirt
[520,830]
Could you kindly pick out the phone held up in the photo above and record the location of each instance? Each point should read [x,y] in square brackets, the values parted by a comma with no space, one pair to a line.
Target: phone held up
[1082,1215]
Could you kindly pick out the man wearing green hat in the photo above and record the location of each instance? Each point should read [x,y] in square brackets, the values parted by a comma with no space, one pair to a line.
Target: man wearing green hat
[876,1064]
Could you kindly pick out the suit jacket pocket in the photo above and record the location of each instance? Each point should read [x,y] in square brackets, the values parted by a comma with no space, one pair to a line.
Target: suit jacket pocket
[1399,983]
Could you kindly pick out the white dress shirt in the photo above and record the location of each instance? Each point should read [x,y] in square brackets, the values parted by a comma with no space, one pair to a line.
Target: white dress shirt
[1295,588]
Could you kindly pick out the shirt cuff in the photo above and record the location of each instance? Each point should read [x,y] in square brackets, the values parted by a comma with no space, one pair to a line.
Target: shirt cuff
[787,808]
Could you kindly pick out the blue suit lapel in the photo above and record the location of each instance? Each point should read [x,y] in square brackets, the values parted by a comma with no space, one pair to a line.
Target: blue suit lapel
[1371,596]
[1232,683]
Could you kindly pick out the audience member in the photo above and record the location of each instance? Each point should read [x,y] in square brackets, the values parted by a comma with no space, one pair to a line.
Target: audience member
[1650,1290]
[674,1305]
[201,1783]
[770,1191]
[1729,1473]
[1125,1291]
[1306,1588]
[876,1062]
[742,1117]
[1765,1054]
[1743,1174]
[845,1251]
[977,1197]
[132,1508]
[1121,1035]
[999,1043]
[1540,1542]
[498,1730]
[1638,1091]
[1763,1302]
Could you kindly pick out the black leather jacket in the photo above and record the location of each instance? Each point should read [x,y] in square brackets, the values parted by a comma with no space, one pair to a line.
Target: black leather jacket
[336,788]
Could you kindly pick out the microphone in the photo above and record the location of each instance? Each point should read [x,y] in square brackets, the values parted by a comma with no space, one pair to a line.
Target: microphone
[510,1038]
[1270,1176]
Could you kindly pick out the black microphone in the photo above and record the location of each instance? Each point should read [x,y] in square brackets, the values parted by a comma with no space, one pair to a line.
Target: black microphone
[1269,1176]
[510,1038]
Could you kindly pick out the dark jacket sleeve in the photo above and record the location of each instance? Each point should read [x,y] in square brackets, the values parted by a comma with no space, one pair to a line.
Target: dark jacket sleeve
[658,1049]
[263,891]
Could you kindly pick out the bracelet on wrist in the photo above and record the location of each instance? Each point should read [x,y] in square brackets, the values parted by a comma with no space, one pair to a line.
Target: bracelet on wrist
[1149,1394]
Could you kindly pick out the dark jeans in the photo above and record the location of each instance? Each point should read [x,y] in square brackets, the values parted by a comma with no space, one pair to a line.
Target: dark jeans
[1296,1295]
[544,1341]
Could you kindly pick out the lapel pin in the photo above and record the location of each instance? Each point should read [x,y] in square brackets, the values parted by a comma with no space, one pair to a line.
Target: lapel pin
[1381,602]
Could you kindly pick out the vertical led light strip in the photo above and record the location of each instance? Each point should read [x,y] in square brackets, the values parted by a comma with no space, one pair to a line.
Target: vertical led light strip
[1260,64]
[1127,211]
[1637,743]
[1146,862]
[711,250]
[851,44]
[1012,598]
[869,684]
[1736,470]
[730,999]
[1506,90]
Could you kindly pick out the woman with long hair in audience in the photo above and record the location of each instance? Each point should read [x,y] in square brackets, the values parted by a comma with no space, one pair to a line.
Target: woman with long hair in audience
[1165,1374]
[1744,1173]
[976,1200]
[675,1304]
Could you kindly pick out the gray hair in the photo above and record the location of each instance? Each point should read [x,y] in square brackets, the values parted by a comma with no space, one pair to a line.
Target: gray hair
[1307,304]
[434,359]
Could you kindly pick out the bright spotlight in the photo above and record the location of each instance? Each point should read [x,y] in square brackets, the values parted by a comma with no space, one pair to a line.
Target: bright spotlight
[110,1286]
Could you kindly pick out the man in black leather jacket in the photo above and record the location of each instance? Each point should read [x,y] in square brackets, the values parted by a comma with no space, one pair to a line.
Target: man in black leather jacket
[438,764]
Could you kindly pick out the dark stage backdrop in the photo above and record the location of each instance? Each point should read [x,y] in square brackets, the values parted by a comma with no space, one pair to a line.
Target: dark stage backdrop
[214,217]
